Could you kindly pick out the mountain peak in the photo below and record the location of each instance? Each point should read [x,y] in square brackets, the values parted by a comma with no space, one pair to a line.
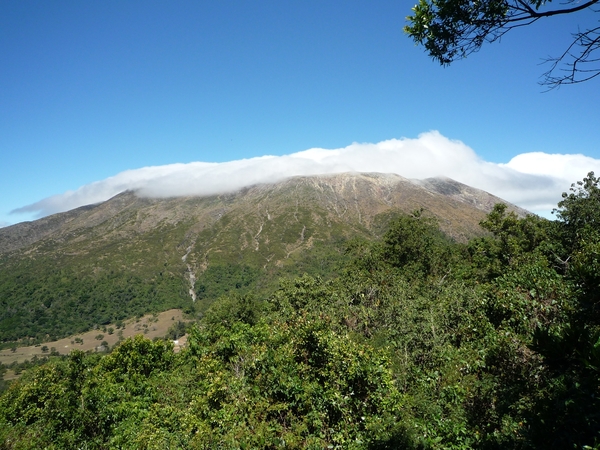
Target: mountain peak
[351,198]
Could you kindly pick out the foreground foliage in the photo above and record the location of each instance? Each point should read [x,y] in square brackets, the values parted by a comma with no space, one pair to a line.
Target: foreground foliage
[452,29]
[420,342]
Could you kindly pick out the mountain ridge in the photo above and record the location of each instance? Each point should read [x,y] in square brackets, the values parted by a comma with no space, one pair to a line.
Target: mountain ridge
[405,192]
[131,255]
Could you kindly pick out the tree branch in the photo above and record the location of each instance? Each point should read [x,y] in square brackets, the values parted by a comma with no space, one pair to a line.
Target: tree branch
[580,61]
[453,29]
[526,12]
[564,11]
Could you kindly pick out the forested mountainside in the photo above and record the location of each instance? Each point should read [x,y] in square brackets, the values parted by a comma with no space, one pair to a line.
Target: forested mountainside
[418,342]
[129,256]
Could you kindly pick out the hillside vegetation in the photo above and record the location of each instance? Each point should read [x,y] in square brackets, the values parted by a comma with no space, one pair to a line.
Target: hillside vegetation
[417,342]
[131,256]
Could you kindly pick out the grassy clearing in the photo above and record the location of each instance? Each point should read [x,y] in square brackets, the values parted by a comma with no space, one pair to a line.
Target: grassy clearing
[150,325]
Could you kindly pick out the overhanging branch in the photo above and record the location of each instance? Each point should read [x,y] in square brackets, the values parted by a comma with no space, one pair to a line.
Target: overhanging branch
[579,62]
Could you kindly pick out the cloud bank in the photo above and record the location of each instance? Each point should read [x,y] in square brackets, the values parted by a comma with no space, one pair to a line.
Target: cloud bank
[533,181]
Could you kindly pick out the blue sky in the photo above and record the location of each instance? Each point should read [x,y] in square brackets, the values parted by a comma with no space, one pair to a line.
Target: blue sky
[89,90]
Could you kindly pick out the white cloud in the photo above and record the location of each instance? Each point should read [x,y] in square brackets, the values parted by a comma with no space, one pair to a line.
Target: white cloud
[531,180]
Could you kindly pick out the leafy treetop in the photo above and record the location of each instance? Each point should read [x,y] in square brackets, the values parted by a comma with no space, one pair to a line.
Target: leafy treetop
[452,29]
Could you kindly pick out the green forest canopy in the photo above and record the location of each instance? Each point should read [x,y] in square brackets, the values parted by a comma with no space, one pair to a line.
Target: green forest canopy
[420,342]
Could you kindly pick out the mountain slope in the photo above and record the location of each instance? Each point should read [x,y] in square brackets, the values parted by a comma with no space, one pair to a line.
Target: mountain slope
[131,255]
[357,196]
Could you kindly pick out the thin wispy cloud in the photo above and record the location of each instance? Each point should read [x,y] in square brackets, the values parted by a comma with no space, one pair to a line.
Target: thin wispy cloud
[533,181]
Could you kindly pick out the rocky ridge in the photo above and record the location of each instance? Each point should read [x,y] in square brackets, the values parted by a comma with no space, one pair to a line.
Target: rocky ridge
[354,198]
